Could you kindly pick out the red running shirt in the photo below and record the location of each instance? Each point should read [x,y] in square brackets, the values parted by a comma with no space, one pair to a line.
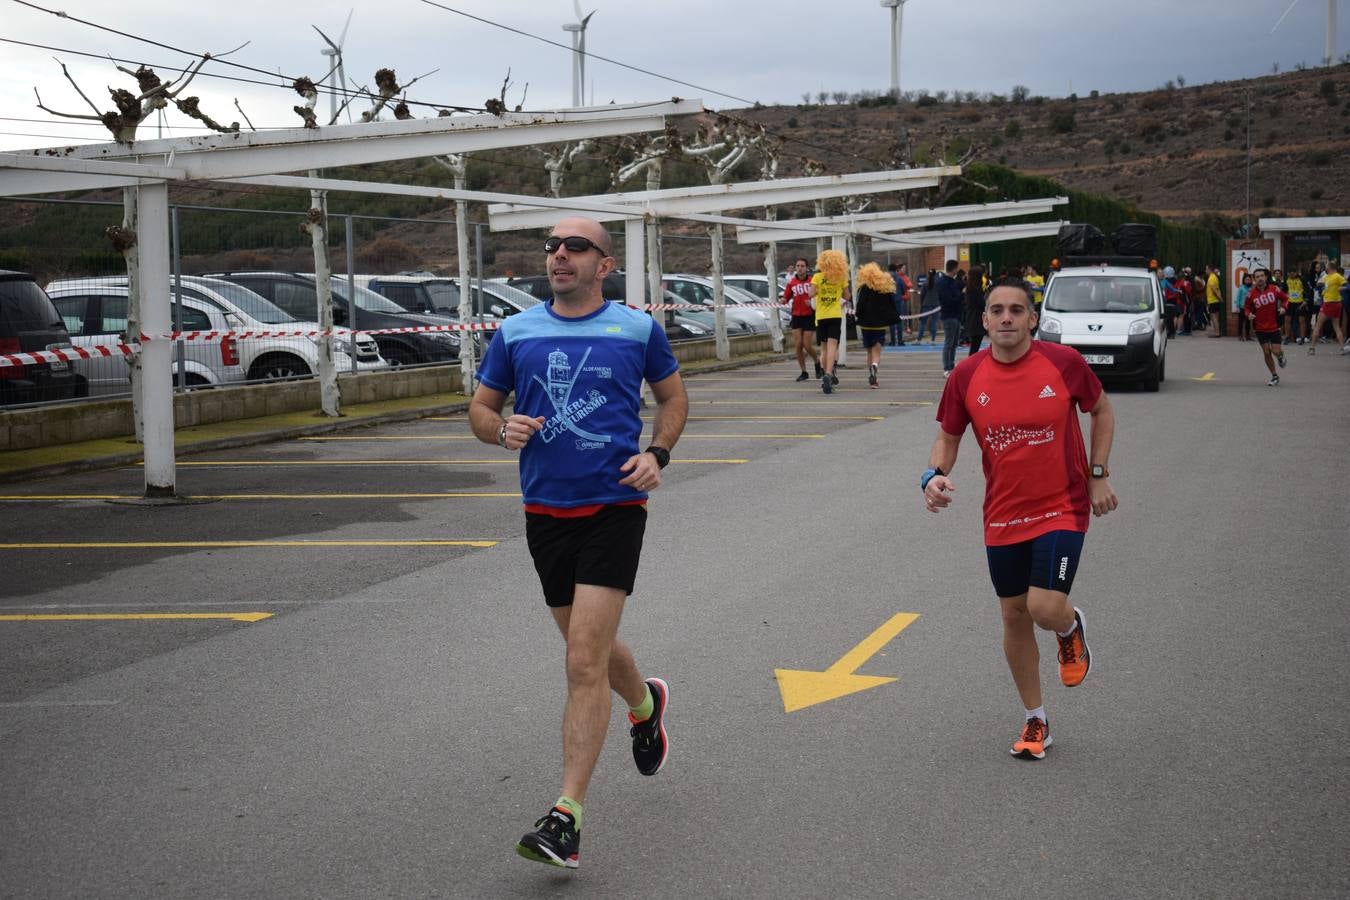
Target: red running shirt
[1265,306]
[1025,418]
[799,293]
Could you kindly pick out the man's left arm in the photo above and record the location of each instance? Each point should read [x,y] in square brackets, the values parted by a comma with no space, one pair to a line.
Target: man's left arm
[643,472]
[1103,431]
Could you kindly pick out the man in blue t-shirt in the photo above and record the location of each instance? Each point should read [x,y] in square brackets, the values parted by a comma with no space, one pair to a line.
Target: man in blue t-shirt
[576,364]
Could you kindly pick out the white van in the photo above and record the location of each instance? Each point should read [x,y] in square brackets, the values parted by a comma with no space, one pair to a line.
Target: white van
[1113,315]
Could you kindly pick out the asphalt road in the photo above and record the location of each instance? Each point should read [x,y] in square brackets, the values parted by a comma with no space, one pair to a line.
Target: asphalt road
[392,727]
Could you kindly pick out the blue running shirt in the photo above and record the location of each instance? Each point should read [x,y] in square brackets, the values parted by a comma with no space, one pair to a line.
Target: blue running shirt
[584,376]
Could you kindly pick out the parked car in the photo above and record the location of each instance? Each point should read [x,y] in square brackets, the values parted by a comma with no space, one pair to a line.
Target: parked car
[29,322]
[295,292]
[225,304]
[1111,314]
[699,290]
[759,286]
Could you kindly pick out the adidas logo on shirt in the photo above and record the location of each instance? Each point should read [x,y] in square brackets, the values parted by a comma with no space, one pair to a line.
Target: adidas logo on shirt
[1046,392]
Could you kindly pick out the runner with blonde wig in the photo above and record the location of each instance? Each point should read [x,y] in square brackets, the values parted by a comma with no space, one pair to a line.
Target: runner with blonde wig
[829,287]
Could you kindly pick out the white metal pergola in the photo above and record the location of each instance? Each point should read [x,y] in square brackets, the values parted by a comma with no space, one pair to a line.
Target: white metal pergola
[702,204]
[896,220]
[148,167]
[950,237]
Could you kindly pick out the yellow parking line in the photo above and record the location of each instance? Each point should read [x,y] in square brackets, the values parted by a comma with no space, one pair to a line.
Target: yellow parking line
[110,617]
[780,418]
[18,498]
[225,463]
[119,545]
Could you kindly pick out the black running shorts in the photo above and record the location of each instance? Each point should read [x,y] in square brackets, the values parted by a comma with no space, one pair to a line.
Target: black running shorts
[1049,561]
[828,330]
[804,323]
[602,549]
[1269,337]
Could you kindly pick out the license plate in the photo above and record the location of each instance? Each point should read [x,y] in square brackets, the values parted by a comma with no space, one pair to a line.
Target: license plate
[1098,359]
[58,365]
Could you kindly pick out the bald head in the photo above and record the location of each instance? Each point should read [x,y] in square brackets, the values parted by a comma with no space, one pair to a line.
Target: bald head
[577,276]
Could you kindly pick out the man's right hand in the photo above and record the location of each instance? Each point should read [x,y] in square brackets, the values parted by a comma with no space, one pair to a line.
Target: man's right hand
[519,430]
[935,496]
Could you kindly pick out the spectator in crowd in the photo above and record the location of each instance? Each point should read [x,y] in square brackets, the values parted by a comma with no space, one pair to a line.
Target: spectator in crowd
[1037,282]
[975,288]
[1239,304]
[1171,293]
[928,304]
[876,310]
[900,298]
[1213,298]
[1333,283]
[949,309]
[1294,288]
[1187,286]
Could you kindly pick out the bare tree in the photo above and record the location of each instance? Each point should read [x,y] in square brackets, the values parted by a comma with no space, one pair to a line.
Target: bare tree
[130,110]
[558,160]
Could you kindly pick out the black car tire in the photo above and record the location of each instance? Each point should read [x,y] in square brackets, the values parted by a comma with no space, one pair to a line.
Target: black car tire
[398,354]
[278,367]
[1151,381]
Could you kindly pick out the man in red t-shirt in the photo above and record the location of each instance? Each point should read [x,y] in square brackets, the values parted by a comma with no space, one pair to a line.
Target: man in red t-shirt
[1262,308]
[1021,398]
[797,291]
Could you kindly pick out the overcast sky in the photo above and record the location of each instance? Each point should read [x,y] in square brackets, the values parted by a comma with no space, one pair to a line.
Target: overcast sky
[750,50]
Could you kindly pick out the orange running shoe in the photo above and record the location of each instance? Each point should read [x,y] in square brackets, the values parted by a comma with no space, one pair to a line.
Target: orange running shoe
[1075,659]
[1034,739]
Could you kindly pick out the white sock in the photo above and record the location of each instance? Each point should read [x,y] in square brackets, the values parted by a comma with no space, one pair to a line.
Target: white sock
[1068,632]
[1037,713]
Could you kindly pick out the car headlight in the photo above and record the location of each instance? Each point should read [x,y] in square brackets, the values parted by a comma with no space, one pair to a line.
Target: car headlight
[1141,326]
[341,345]
[1051,326]
[444,338]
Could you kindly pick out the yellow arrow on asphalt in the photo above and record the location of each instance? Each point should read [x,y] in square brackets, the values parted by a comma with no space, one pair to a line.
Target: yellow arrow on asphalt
[801,688]
[1208,376]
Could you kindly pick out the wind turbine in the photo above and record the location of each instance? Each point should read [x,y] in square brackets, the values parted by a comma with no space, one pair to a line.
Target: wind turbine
[897,8]
[338,70]
[578,30]
[1330,57]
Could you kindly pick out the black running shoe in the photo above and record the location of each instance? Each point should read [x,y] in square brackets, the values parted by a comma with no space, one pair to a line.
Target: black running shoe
[834,379]
[554,841]
[803,376]
[819,370]
[650,744]
[826,385]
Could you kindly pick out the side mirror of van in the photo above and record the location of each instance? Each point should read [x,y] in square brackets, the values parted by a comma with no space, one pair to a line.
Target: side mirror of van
[498,310]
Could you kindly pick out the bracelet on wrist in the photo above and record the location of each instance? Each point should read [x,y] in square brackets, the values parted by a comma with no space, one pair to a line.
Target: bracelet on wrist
[501,434]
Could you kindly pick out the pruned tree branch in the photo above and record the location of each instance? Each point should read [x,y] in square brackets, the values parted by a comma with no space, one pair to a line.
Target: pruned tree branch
[244,114]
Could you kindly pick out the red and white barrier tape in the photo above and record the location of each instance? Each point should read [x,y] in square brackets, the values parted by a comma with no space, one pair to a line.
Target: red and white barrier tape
[67,354]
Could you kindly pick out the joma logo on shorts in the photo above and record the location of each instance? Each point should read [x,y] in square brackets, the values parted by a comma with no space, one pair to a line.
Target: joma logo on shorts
[1063,567]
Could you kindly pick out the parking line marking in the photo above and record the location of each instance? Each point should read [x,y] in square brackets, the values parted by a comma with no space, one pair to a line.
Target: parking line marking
[119,545]
[16,498]
[121,617]
[225,463]
[779,418]
[459,437]
[1208,376]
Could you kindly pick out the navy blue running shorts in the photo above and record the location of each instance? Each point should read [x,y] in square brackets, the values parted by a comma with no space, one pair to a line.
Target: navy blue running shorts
[872,337]
[602,549]
[1049,562]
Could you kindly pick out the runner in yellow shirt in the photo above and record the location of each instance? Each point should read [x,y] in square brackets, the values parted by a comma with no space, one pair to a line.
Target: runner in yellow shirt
[829,287]
[1213,298]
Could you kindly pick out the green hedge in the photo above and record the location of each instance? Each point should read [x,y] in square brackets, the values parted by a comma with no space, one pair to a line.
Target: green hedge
[1178,245]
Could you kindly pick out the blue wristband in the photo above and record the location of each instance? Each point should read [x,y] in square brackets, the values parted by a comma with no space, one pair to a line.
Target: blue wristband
[927,476]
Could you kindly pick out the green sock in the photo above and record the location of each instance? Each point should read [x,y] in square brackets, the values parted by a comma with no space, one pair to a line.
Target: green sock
[643,711]
[568,805]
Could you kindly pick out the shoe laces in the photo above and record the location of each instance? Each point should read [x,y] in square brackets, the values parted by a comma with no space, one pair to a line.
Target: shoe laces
[1035,730]
[645,730]
[552,824]
[1068,647]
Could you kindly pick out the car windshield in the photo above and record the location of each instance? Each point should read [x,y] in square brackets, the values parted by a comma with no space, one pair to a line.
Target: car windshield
[514,296]
[366,298]
[252,305]
[24,307]
[444,294]
[1099,294]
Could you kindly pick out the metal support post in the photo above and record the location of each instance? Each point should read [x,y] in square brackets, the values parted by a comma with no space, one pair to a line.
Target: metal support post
[466,364]
[722,343]
[480,311]
[176,248]
[351,290]
[771,273]
[154,387]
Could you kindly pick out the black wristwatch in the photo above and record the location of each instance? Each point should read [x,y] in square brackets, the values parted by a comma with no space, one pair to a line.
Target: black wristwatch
[1099,471]
[662,455]
[927,476]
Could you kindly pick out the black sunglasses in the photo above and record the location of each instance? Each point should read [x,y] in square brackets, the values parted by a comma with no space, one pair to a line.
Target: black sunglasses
[574,244]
